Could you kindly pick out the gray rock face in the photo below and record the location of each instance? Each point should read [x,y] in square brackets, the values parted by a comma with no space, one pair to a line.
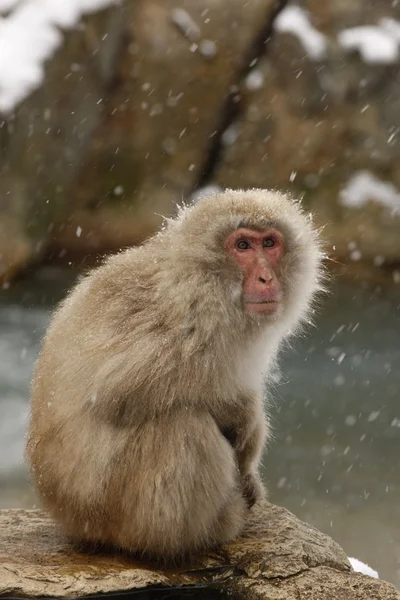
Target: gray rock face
[277,557]
[173,79]
[45,140]
[313,124]
[146,101]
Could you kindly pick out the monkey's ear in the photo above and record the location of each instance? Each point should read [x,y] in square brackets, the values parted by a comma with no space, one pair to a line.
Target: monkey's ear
[203,192]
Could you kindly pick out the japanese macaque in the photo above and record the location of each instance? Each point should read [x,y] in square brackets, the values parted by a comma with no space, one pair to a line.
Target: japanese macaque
[147,422]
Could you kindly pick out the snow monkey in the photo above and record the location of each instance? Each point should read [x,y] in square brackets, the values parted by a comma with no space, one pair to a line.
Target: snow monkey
[147,423]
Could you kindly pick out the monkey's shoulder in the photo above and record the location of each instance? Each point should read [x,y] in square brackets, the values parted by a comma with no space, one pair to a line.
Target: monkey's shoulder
[126,275]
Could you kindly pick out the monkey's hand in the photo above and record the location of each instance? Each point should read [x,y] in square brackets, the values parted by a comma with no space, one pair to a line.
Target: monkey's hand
[253,490]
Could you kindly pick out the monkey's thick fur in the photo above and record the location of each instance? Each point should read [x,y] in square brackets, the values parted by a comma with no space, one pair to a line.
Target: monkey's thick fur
[147,423]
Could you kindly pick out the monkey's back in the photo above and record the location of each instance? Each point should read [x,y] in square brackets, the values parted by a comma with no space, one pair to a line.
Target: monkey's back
[112,466]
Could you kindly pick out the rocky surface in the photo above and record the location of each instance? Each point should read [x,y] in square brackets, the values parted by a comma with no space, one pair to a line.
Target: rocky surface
[163,113]
[147,100]
[45,140]
[278,557]
[312,123]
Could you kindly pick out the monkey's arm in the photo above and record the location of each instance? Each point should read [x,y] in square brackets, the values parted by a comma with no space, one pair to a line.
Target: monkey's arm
[247,434]
[248,452]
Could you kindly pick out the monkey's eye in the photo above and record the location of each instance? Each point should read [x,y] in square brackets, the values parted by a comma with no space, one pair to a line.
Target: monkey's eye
[269,243]
[243,245]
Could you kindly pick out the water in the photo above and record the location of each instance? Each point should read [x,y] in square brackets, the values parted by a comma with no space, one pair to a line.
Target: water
[24,314]
[334,460]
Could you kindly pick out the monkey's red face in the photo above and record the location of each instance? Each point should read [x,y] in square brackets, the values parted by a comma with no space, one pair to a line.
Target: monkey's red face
[258,255]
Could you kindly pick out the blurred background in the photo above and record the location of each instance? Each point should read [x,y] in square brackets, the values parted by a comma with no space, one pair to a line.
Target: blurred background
[112,112]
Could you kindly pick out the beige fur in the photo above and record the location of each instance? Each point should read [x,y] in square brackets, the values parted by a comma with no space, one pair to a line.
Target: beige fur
[147,423]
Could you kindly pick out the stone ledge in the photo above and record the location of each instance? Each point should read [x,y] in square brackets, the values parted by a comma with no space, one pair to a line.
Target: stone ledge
[278,557]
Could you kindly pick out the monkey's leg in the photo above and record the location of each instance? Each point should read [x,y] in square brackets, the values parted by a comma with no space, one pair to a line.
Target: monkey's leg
[179,488]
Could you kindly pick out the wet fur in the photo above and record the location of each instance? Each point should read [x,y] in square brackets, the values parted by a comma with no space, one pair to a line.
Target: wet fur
[147,423]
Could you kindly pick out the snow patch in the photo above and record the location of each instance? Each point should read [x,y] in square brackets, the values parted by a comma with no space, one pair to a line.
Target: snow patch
[374,43]
[29,36]
[364,186]
[294,20]
[6,5]
[392,27]
[377,44]
[361,567]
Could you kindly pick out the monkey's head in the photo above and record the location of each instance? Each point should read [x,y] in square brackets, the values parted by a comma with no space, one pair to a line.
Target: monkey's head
[261,248]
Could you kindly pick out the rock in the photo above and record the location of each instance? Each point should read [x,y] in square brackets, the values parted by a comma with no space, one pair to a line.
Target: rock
[16,247]
[45,140]
[277,557]
[311,125]
[147,101]
[164,109]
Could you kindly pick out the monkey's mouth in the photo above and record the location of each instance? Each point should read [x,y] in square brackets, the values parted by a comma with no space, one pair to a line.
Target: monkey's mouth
[262,306]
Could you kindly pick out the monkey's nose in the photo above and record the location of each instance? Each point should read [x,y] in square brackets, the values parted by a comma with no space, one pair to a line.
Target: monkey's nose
[264,280]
